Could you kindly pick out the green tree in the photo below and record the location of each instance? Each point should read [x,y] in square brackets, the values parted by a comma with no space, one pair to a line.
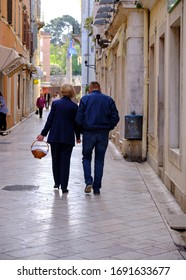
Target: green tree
[76,67]
[60,26]
[55,70]
[58,55]
[88,25]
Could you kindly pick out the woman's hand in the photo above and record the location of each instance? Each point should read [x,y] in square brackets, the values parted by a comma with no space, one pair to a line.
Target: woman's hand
[40,137]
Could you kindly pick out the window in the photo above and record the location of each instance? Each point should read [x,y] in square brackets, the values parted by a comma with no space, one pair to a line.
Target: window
[9,11]
[26,31]
[18,92]
[151,90]
[161,97]
[174,85]
[15,8]
[24,28]
[19,22]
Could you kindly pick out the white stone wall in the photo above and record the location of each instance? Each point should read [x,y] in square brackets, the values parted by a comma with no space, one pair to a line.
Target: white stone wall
[122,75]
[166,141]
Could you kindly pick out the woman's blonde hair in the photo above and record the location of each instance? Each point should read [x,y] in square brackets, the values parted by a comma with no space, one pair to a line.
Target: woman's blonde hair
[68,90]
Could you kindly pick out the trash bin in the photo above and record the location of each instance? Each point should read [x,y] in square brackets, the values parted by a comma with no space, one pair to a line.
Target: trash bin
[133,127]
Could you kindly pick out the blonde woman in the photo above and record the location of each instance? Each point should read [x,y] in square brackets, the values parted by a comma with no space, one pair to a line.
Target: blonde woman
[62,130]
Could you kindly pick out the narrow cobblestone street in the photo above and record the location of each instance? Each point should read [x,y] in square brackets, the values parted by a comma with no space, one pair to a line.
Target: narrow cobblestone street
[126,222]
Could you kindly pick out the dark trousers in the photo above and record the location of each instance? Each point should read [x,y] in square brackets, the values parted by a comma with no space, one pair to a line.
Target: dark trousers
[97,141]
[2,121]
[61,155]
[40,112]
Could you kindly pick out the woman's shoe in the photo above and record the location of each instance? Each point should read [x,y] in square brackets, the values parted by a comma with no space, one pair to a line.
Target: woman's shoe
[65,191]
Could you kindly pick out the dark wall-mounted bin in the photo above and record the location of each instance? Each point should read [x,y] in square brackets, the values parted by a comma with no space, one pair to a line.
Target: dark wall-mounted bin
[133,127]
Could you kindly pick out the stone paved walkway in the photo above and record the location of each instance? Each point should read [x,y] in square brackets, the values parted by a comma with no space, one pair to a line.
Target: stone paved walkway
[126,222]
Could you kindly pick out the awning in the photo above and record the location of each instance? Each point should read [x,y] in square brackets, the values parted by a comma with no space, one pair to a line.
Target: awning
[11,62]
[7,56]
[108,9]
[105,2]
[100,22]
[103,15]
[37,72]
[14,67]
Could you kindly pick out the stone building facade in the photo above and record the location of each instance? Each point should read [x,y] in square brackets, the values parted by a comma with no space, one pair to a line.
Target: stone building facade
[19,25]
[141,63]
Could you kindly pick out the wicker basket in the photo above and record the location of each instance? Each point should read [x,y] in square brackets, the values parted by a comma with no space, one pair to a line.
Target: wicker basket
[39,150]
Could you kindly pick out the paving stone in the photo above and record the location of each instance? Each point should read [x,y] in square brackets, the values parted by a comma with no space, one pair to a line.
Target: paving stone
[127,221]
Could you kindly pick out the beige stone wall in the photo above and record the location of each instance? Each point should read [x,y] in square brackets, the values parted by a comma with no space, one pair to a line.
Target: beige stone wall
[121,73]
[18,88]
[166,139]
[45,55]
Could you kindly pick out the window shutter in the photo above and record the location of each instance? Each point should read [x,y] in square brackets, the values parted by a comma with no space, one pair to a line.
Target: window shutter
[24,28]
[31,44]
[9,11]
[26,31]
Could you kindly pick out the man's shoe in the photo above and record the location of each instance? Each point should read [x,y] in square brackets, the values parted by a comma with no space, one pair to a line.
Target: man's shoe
[56,187]
[96,192]
[3,133]
[65,191]
[88,189]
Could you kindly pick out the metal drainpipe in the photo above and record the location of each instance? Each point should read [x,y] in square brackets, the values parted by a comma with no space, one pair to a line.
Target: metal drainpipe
[146,85]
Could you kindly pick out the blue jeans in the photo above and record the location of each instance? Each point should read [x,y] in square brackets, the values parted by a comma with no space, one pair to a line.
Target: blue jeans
[97,141]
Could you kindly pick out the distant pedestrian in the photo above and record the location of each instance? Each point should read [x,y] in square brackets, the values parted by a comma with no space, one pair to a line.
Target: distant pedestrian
[47,98]
[41,103]
[62,130]
[3,113]
[55,96]
[97,115]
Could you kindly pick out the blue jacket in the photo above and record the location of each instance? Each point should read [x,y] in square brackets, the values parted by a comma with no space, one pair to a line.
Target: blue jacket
[61,123]
[97,112]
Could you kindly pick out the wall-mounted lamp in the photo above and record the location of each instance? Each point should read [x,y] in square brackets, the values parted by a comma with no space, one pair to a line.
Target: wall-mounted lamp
[93,66]
[98,38]
[104,43]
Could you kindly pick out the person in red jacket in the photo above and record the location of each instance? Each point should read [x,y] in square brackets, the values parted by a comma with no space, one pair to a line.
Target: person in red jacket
[41,103]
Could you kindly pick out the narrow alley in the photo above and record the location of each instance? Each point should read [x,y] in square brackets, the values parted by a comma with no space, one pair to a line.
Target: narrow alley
[126,222]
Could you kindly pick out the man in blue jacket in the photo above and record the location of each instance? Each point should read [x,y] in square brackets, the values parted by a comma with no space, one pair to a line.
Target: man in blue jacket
[97,115]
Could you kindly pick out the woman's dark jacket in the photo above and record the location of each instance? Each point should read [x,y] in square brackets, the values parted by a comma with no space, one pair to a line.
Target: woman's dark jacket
[61,123]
